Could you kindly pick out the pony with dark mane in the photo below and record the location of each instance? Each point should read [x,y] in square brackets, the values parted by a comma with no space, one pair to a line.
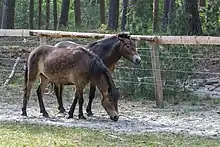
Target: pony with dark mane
[74,66]
[110,50]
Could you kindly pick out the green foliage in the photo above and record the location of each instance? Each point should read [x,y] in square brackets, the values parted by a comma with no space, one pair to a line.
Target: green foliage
[140,17]
[212,18]
[179,25]
[22,13]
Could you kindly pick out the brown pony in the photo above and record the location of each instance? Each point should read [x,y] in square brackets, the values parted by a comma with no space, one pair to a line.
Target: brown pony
[110,50]
[73,66]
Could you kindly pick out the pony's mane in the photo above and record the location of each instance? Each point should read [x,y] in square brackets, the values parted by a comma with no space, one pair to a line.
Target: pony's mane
[104,46]
[97,66]
[107,45]
[103,40]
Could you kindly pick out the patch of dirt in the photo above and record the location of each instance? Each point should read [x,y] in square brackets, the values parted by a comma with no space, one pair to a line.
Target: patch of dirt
[135,116]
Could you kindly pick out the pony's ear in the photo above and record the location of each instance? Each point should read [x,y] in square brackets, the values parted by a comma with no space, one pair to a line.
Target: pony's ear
[124,35]
[120,38]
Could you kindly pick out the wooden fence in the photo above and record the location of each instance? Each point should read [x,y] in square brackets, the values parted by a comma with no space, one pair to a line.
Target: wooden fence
[153,40]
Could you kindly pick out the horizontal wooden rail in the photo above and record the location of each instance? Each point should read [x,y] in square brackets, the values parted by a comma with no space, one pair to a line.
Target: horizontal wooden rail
[14,32]
[196,40]
[191,40]
[61,34]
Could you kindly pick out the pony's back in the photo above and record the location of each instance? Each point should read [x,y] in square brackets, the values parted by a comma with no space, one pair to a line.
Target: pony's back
[67,44]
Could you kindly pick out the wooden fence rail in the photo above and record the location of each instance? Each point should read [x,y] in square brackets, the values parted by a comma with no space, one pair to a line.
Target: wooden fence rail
[196,40]
[153,40]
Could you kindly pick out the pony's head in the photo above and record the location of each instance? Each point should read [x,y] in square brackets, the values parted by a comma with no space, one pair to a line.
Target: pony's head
[128,48]
[110,95]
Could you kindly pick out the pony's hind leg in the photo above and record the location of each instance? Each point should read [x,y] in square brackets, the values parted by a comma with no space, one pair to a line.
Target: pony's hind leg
[58,92]
[27,92]
[91,97]
[40,91]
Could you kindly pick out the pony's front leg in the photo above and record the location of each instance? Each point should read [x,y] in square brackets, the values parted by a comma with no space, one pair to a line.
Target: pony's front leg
[72,108]
[78,96]
[40,92]
[58,92]
[81,101]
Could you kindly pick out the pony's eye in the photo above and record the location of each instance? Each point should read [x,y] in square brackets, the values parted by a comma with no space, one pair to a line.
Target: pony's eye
[127,46]
[109,100]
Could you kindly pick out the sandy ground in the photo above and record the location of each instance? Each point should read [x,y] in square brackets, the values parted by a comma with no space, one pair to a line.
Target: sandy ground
[135,116]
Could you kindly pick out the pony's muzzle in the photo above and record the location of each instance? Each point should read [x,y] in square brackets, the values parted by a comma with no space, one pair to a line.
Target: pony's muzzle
[114,118]
[136,59]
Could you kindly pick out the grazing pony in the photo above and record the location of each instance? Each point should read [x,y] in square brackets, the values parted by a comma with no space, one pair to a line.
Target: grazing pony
[74,66]
[110,50]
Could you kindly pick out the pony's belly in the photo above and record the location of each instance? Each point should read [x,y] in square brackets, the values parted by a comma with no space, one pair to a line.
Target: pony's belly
[62,79]
[62,82]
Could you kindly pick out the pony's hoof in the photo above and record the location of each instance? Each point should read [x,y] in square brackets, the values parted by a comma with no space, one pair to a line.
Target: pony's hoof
[89,114]
[62,111]
[70,116]
[24,114]
[81,116]
[45,115]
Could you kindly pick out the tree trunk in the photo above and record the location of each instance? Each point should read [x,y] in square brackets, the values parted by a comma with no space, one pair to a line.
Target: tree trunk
[39,13]
[194,24]
[102,11]
[63,20]
[8,14]
[77,12]
[113,14]
[124,13]
[171,14]
[12,15]
[1,12]
[31,14]
[172,11]
[47,14]
[155,15]
[165,14]
[202,3]
[55,14]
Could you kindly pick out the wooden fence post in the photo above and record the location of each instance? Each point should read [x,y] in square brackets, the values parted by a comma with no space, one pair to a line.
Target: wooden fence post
[43,40]
[157,75]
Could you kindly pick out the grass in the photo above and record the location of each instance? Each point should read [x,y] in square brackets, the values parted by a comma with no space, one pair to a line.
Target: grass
[17,134]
